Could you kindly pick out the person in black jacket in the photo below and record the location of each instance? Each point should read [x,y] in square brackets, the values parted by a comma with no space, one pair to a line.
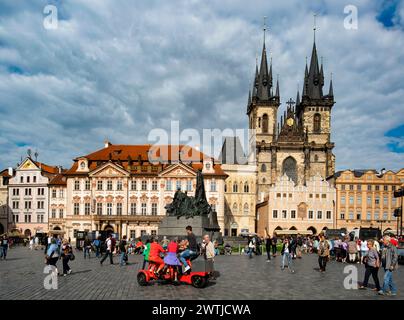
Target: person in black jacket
[268,243]
[286,255]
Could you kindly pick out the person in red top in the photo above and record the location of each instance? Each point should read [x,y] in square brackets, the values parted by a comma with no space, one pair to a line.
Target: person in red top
[139,246]
[171,258]
[154,255]
[394,241]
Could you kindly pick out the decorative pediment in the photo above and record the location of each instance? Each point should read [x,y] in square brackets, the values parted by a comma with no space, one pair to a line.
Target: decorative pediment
[109,170]
[178,170]
[28,164]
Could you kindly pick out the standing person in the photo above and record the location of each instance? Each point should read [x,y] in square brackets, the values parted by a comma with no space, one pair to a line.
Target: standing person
[48,243]
[31,243]
[293,245]
[209,251]
[372,265]
[67,251]
[87,247]
[286,255]
[52,254]
[323,252]
[364,250]
[258,245]
[251,247]
[122,249]
[268,242]
[352,250]
[36,242]
[191,251]
[97,246]
[376,244]
[145,253]
[389,263]
[344,250]
[109,251]
[274,245]
[4,247]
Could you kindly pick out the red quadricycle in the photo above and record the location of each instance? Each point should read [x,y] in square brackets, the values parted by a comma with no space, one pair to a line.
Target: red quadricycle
[196,279]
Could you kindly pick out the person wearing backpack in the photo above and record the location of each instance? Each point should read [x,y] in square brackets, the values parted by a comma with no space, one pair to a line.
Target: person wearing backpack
[122,252]
[372,264]
[109,251]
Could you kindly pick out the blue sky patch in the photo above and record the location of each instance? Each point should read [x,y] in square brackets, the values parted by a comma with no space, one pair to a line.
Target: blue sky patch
[388,11]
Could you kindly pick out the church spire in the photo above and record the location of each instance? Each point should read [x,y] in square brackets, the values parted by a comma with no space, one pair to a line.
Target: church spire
[277,87]
[255,84]
[297,98]
[263,91]
[331,90]
[314,78]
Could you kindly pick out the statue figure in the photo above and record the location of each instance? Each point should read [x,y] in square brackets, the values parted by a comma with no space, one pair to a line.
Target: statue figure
[184,205]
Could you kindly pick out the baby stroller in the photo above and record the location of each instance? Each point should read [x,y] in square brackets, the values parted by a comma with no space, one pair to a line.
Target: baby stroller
[227,250]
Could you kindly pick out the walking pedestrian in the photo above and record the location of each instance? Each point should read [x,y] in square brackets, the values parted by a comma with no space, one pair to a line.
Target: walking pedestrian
[323,252]
[123,252]
[286,255]
[274,245]
[109,251]
[52,254]
[372,264]
[97,246]
[4,247]
[299,246]
[364,250]
[389,263]
[67,252]
[352,250]
[268,243]
[251,247]
[87,247]
[209,254]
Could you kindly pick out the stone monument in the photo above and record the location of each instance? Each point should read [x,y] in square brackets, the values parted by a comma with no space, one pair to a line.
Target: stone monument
[195,211]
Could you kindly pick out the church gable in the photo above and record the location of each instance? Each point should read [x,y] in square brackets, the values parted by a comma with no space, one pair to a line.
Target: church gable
[109,170]
[178,170]
[28,164]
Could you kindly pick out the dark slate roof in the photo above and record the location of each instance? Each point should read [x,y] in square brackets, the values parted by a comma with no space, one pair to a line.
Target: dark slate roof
[232,151]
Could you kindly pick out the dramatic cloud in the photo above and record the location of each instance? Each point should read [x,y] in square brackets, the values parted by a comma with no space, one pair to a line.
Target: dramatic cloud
[118,69]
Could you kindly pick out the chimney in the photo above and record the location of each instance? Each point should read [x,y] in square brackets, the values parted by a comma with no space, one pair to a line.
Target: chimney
[60,169]
[107,144]
[10,171]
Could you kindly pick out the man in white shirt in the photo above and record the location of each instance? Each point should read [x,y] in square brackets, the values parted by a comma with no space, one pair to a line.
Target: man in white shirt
[209,249]
[109,251]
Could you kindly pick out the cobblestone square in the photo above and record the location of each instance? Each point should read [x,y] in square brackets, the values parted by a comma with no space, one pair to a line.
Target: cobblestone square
[21,277]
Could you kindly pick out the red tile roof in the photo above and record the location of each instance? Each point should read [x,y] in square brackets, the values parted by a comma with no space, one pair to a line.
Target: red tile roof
[47,168]
[58,180]
[4,173]
[138,156]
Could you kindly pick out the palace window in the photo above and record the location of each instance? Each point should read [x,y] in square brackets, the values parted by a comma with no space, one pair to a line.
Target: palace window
[40,204]
[133,209]
[16,192]
[178,185]
[28,179]
[27,218]
[319,215]
[284,214]
[119,209]
[385,200]
[376,215]
[369,187]
[377,200]
[368,216]
[22,179]
[16,204]
[359,187]
[259,122]
[119,185]
[28,191]
[263,168]
[15,218]
[87,209]
[189,185]
[359,200]
[60,213]
[109,209]
[40,218]
[328,215]
[351,215]
[34,177]
[235,208]
[343,200]
[87,185]
[351,187]
[133,185]
[235,187]
[351,200]
[109,185]
[311,214]
[213,185]
[342,216]
[275,214]
[342,186]
[76,209]
[169,185]
[99,185]
[154,233]
[154,185]
[154,209]
[27,205]
[293,214]
[377,188]
[246,188]
[358,216]
[385,215]
[53,193]
[144,185]
[77,185]
[53,213]
[99,208]
[317,123]
[144,209]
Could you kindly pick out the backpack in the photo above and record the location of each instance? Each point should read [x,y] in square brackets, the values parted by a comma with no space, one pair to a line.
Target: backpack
[113,244]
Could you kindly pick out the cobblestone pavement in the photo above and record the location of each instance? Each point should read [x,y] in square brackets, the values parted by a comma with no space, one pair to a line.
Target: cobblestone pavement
[21,277]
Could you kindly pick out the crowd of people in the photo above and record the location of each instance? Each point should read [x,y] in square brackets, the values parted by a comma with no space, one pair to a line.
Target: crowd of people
[372,253]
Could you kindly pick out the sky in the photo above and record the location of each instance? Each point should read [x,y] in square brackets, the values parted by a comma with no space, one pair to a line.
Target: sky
[116,70]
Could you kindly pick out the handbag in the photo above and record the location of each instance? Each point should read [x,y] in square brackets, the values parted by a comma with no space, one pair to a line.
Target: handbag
[72,256]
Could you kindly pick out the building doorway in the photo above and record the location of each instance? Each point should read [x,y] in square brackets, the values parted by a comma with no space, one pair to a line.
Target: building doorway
[314,230]
[27,233]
